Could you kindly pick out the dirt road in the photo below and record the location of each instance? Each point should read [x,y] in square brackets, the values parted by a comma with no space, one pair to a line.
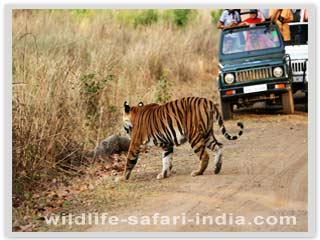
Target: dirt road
[264,173]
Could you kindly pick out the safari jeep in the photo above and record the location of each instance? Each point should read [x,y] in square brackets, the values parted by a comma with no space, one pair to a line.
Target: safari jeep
[253,67]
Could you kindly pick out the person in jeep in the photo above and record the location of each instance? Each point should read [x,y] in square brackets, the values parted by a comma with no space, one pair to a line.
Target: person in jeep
[229,18]
[253,18]
[259,40]
[282,17]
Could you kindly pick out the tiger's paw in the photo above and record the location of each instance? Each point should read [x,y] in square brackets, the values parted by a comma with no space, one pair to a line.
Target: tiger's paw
[218,168]
[121,179]
[163,175]
[160,176]
[195,173]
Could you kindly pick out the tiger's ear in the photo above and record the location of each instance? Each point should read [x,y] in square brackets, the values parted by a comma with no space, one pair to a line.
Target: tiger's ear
[126,107]
[140,104]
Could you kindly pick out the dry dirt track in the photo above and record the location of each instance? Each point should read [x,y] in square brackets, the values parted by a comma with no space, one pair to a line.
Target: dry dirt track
[263,173]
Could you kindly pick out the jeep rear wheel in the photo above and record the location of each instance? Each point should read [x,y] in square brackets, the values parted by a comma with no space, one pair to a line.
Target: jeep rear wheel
[287,102]
[306,102]
[226,110]
[306,96]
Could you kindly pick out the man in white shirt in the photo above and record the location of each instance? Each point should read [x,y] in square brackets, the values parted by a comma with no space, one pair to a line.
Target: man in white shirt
[229,18]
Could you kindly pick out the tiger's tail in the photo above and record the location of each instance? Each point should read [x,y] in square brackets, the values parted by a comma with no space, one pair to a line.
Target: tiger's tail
[223,128]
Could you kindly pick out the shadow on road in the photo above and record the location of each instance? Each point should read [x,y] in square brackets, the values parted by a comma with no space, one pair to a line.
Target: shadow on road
[262,109]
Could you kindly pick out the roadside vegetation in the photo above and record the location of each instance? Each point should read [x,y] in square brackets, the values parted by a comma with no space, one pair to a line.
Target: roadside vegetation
[73,69]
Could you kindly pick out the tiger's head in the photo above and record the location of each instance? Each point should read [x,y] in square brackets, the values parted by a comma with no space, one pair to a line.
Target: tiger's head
[128,116]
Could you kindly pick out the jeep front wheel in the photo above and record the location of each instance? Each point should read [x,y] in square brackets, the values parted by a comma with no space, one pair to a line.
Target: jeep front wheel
[226,110]
[287,102]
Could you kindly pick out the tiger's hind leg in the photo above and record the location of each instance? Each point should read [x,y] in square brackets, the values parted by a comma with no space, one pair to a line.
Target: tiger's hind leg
[200,149]
[215,146]
[218,158]
[166,162]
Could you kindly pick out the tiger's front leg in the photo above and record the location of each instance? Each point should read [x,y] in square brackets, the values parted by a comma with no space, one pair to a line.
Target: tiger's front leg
[132,159]
[166,162]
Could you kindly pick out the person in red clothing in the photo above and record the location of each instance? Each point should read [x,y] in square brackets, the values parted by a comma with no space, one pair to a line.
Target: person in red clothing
[251,39]
[253,19]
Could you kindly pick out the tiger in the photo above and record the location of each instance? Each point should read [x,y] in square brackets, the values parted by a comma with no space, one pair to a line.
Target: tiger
[172,124]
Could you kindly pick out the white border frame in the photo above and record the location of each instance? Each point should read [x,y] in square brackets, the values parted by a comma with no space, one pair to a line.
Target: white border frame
[7,110]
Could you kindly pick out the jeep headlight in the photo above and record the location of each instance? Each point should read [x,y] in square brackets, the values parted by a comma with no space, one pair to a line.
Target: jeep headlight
[229,78]
[278,72]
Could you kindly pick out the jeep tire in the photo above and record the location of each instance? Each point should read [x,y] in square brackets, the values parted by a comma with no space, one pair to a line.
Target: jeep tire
[287,102]
[306,101]
[226,110]
[306,96]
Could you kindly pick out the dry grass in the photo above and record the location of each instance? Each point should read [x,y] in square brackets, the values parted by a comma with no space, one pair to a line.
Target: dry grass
[72,72]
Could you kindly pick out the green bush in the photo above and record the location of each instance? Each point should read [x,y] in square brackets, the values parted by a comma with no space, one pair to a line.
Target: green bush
[80,14]
[163,94]
[145,17]
[90,92]
[179,17]
[215,15]
[137,18]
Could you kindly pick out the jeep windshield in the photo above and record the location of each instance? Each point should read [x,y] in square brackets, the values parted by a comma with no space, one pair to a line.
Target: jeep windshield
[248,39]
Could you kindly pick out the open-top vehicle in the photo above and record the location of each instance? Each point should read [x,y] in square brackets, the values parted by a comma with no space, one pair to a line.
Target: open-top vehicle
[253,66]
[297,48]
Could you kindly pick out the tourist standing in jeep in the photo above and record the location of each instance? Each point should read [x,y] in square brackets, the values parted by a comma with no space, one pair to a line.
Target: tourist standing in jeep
[229,18]
[253,18]
[282,17]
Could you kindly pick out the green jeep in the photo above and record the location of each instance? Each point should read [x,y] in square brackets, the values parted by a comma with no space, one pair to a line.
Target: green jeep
[253,67]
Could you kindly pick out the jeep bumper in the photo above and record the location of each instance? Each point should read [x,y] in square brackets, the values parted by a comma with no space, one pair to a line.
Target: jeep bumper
[254,92]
